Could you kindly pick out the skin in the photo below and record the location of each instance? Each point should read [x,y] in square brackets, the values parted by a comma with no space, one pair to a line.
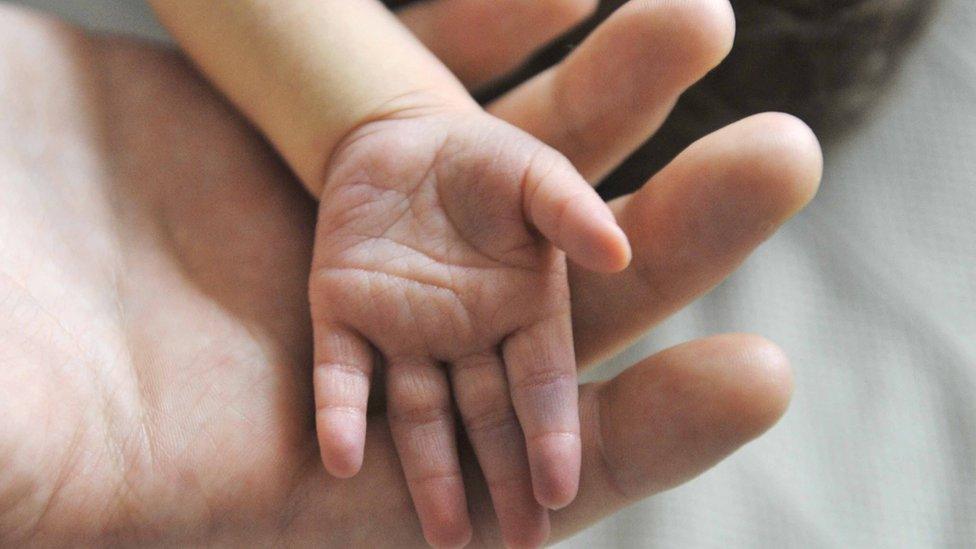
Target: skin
[436,266]
[172,383]
[432,267]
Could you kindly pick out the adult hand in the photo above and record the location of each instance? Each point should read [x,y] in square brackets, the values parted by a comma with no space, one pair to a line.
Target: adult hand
[153,259]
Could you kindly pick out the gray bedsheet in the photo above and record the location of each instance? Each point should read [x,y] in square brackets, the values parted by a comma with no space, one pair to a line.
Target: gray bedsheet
[872,291]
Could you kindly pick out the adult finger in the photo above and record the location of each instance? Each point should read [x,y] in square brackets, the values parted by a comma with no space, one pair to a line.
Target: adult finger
[616,88]
[672,417]
[693,224]
[480,41]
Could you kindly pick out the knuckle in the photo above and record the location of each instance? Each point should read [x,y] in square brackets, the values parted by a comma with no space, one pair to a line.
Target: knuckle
[416,386]
[434,476]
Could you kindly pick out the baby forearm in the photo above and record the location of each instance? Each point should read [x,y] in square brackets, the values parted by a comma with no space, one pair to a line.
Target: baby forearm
[308,72]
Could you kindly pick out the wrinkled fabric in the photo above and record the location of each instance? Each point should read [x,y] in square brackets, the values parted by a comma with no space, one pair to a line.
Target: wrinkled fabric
[872,292]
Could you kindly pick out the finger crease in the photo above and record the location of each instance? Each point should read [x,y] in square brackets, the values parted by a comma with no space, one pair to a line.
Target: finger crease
[421,416]
[343,368]
[543,379]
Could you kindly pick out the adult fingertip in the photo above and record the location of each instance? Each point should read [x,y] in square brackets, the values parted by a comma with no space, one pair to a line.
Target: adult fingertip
[713,397]
[693,35]
[705,29]
[716,25]
[764,384]
[746,385]
[800,157]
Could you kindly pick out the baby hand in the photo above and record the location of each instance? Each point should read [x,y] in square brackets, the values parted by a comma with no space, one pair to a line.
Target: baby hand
[436,257]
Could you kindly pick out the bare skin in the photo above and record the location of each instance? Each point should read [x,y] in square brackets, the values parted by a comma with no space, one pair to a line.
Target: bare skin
[426,254]
[436,255]
[177,381]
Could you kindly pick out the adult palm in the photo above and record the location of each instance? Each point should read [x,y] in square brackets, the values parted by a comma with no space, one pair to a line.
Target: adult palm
[155,349]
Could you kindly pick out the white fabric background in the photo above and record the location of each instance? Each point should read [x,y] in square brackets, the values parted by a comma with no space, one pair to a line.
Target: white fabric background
[872,291]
